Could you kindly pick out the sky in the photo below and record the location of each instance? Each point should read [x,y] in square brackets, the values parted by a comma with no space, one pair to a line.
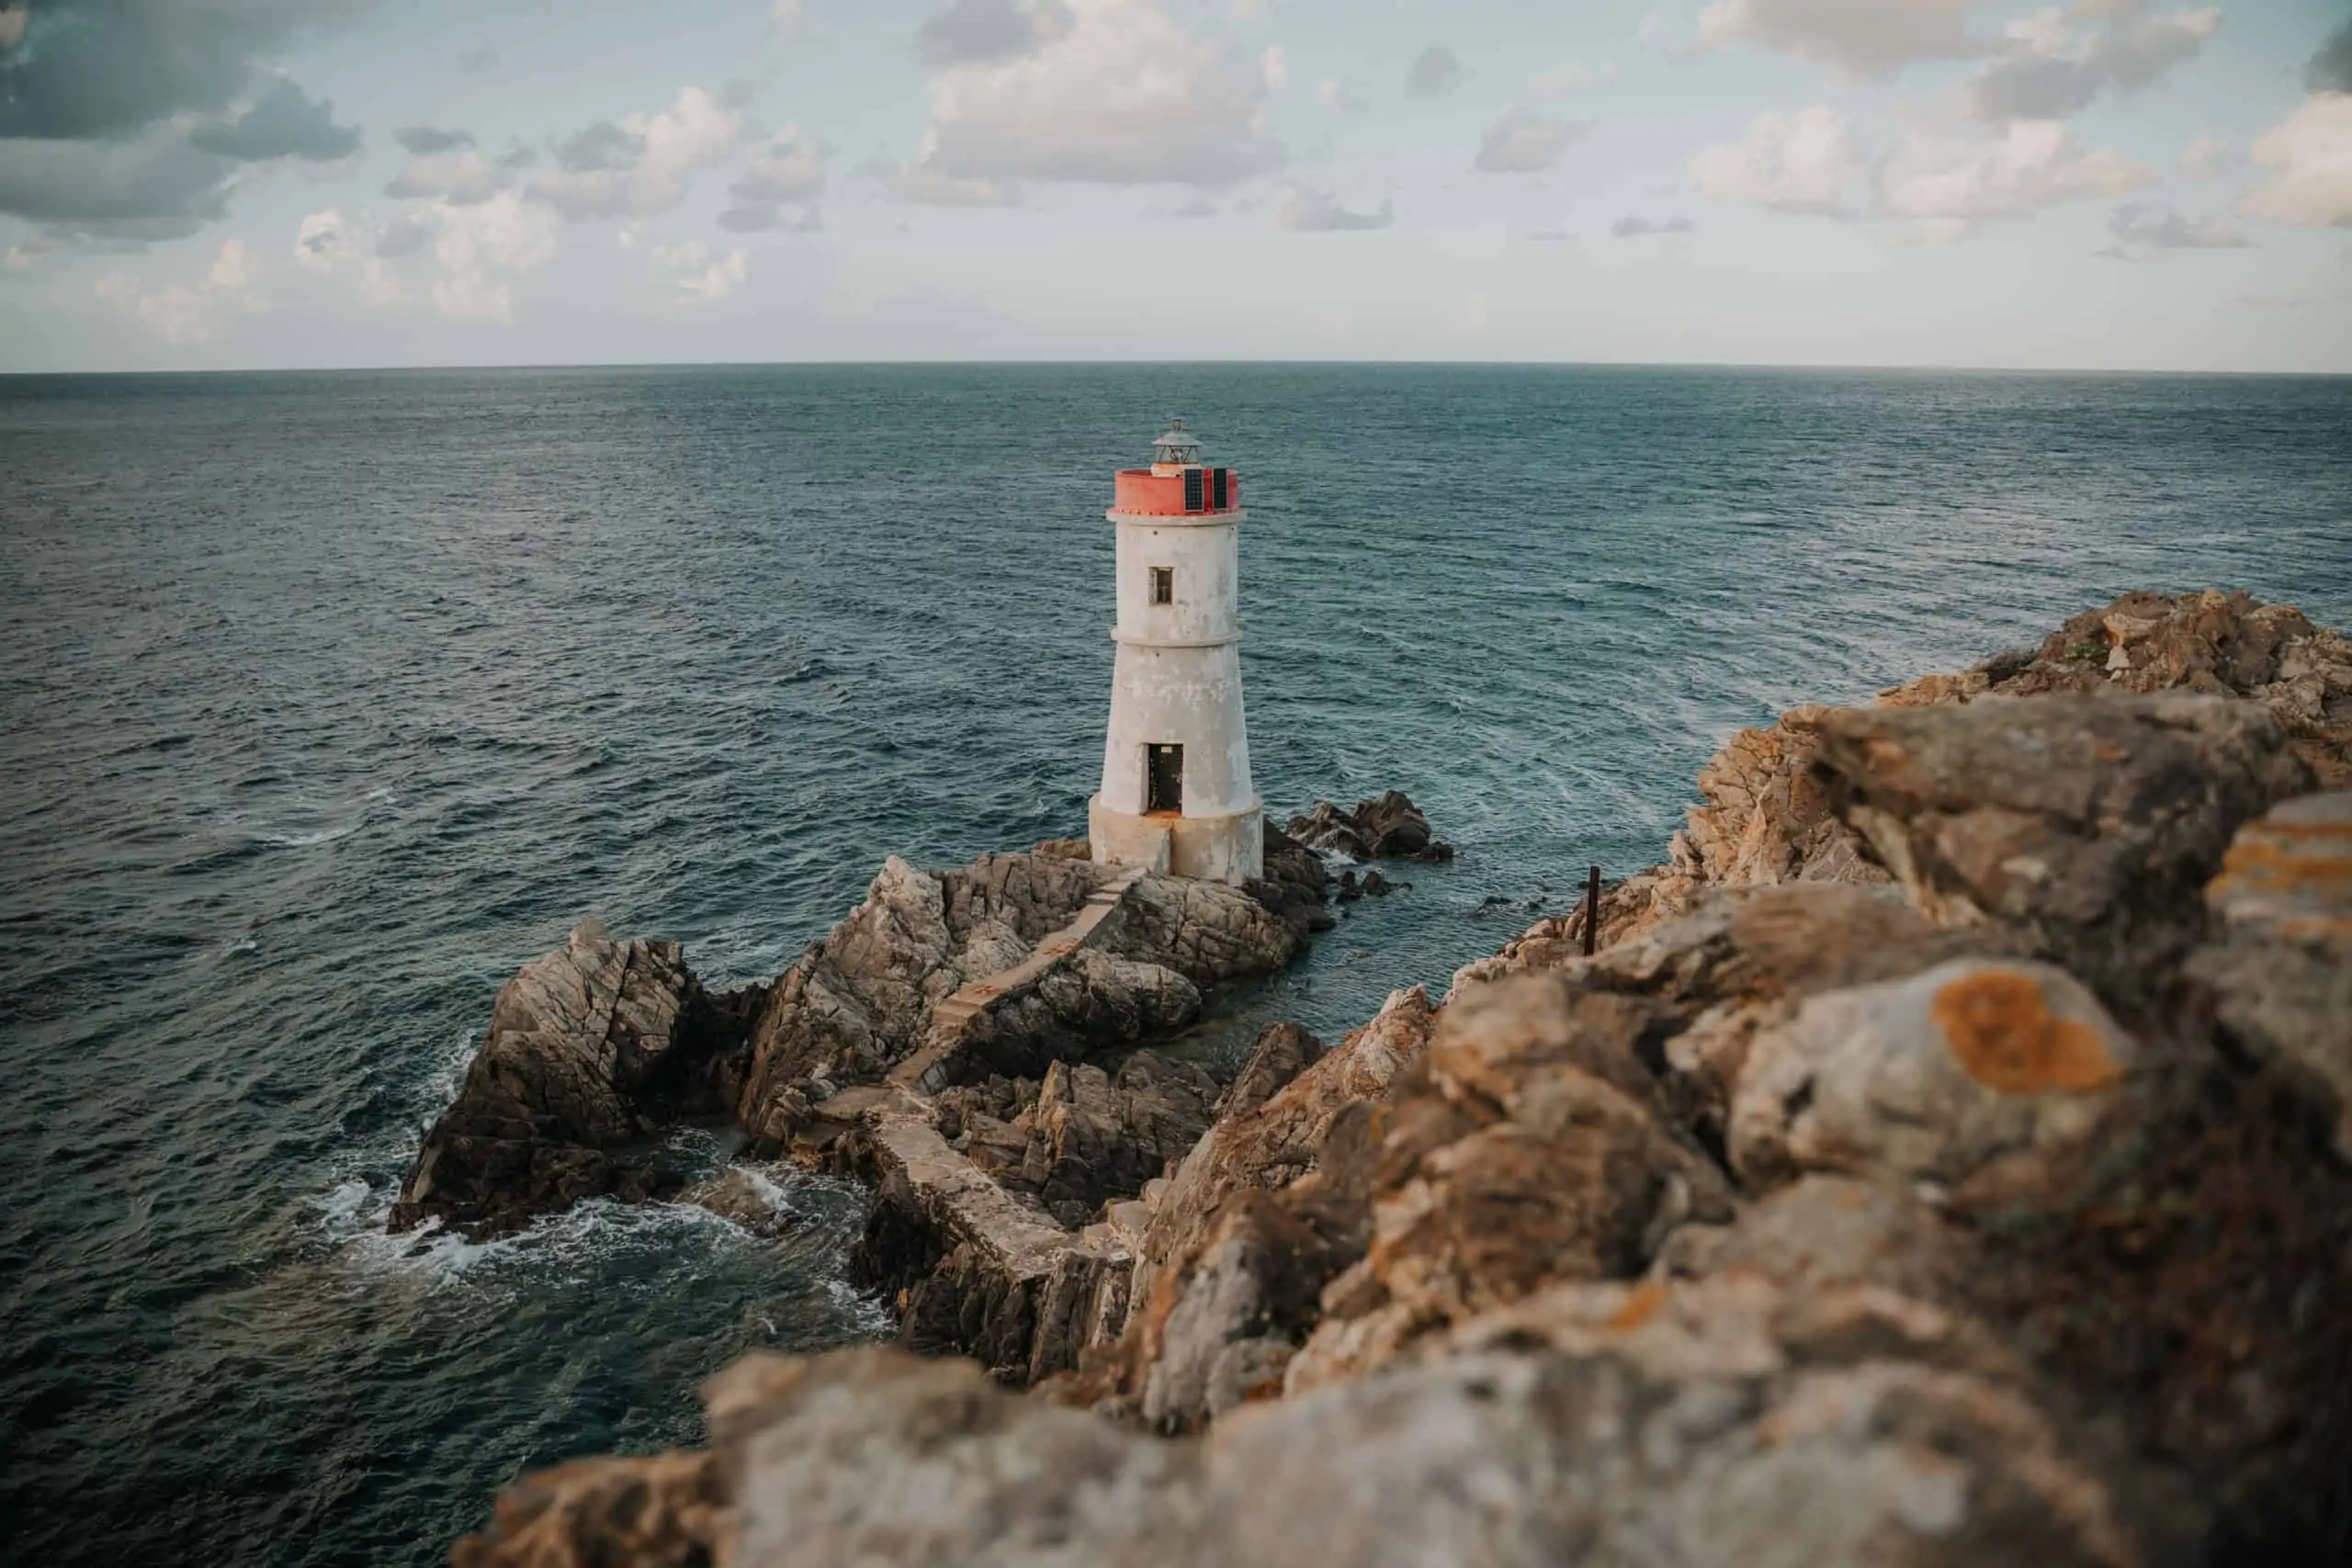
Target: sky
[2096,184]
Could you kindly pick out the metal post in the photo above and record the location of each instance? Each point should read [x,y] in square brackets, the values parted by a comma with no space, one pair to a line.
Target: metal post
[1592,912]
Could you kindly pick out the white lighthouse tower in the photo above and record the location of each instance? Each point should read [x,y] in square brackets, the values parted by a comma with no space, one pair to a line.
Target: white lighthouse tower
[1176,792]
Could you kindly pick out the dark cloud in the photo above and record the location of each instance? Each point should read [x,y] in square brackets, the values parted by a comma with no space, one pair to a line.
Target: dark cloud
[2330,70]
[282,123]
[973,30]
[1523,142]
[424,141]
[2132,51]
[87,69]
[1633,226]
[760,217]
[157,188]
[603,147]
[1435,71]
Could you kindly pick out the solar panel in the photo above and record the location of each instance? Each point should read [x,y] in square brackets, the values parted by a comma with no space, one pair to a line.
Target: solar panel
[1220,492]
[1192,490]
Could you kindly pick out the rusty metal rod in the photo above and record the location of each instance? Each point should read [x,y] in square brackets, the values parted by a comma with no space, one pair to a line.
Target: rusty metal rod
[1592,912]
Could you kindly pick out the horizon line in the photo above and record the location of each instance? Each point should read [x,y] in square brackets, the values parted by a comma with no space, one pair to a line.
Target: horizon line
[1786,367]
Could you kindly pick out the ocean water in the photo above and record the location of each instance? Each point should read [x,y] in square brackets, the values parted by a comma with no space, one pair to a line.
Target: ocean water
[329,699]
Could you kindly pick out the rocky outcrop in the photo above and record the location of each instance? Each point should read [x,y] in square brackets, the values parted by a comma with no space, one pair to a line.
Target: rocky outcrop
[1764,815]
[1963,1184]
[590,1050]
[1388,828]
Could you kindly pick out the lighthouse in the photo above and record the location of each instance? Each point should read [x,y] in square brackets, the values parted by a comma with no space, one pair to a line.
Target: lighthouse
[1176,792]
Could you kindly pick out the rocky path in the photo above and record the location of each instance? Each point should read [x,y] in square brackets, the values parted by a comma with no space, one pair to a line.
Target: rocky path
[952,1019]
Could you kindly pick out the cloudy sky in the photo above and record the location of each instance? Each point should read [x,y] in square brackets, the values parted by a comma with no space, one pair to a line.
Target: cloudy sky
[2097,183]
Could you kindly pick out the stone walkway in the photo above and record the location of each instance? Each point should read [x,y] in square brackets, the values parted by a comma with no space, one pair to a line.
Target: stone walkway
[927,1069]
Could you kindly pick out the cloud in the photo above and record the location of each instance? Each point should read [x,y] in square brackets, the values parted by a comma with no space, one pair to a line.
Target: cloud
[1633,226]
[183,313]
[282,123]
[2330,70]
[2046,71]
[1805,162]
[788,18]
[332,245]
[2161,229]
[1951,184]
[404,236]
[463,178]
[1435,71]
[695,275]
[1859,38]
[90,69]
[2307,164]
[156,186]
[1521,143]
[480,253]
[2206,157]
[643,163]
[1309,211]
[925,185]
[1125,95]
[1275,66]
[970,32]
[1340,96]
[425,142]
[788,169]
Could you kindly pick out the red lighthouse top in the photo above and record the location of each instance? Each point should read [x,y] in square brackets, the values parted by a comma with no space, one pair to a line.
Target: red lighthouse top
[1177,484]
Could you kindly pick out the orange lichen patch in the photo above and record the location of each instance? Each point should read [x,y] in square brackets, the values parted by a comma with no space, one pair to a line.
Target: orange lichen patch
[1999,1026]
[1643,1305]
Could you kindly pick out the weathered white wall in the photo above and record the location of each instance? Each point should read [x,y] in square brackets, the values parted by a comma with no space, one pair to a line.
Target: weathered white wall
[1177,679]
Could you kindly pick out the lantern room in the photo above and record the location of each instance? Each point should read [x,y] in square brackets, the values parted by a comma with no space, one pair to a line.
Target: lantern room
[1177,484]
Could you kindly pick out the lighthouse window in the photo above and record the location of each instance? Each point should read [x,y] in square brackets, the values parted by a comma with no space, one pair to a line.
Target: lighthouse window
[1163,585]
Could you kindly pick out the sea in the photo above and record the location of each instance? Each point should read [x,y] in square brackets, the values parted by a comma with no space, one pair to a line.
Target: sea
[326,700]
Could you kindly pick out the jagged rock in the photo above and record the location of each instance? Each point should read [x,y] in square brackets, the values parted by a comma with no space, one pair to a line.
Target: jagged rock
[590,1050]
[1281,1052]
[1091,1001]
[1295,884]
[2282,971]
[2088,822]
[1933,1077]
[667,1511]
[1090,1138]
[1528,1146]
[1388,827]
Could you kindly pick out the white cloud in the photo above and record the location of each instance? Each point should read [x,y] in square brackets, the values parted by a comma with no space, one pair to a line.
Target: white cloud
[923,184]
[1125,94]
[2307,164]
[183,313]
[2048,71]
[788,18]
[1860,37]
[1805,162]
[1315,211]
[1951,184]
[482,251]
[787,169]
[698,277]
[462,177]
[1340,96]
[1275,66]
[333,246]
[1520,141]
[2157,228]
[1633,226]
[2206,157]
[640,164]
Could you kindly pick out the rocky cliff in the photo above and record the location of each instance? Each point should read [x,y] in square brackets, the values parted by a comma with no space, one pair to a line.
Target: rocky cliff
[1944,1161]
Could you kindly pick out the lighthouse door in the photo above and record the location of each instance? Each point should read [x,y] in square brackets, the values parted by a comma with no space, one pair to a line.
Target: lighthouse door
[1164,779]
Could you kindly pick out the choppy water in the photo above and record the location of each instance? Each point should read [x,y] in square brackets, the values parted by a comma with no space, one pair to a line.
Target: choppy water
[330,699]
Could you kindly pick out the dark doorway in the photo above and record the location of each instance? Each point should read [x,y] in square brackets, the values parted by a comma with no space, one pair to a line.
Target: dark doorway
[1164,782]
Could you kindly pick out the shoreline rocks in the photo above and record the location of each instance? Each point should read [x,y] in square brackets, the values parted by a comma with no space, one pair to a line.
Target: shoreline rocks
[1942,1162]
[1388,827]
